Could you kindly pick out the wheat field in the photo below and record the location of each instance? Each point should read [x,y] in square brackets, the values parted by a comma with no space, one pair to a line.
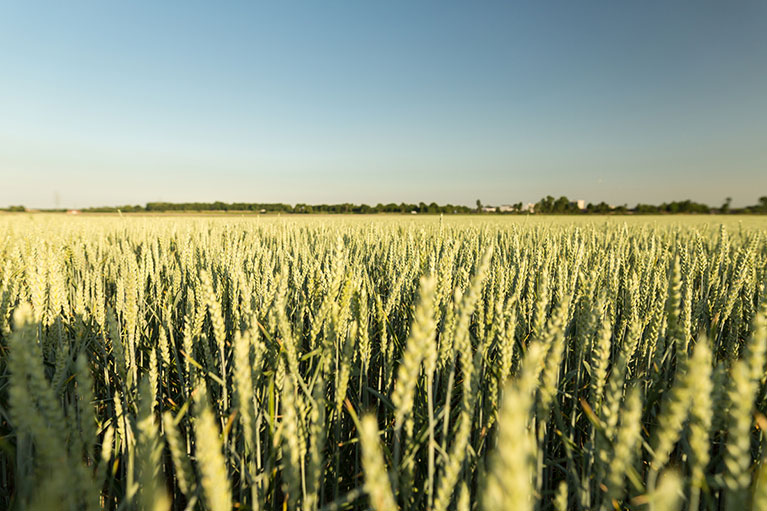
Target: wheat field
[393,363]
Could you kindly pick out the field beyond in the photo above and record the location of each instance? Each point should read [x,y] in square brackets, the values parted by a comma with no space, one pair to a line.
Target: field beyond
[387,362]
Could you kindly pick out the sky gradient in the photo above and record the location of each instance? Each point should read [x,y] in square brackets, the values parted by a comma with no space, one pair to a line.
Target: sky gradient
[107,103]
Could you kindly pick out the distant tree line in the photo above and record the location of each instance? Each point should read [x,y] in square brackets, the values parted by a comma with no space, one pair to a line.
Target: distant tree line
[563,205]
[276,207]
[547,205]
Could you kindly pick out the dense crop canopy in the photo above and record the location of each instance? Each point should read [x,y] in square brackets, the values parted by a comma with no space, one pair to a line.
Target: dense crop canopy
[413,364]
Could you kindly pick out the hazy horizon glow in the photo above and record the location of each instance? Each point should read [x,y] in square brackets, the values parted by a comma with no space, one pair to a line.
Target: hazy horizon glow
[326,102]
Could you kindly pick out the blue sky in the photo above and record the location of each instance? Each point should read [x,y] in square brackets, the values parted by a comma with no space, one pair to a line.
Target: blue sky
[127,102]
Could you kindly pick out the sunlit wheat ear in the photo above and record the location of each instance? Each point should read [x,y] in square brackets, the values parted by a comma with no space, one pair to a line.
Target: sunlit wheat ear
[461,437]
[554,338]
[668,495]
[600,357]
[745,381]
[317,441]
[377,484]
[509,483]
[701,412]
[626,446]
[292,442]
[27,401]
[737,458]
[673,414]
[560,502]
[759,489]
[210,459]
[152,493]
[417,348]
[86,404]
[182,468]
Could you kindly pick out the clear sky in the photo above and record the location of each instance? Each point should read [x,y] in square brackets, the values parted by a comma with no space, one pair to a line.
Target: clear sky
[107,103]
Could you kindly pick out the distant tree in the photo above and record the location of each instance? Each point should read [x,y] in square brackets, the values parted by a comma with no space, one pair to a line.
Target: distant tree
[645,209]
[685,206]
[599,209]
[545,205]
[725,208]
[562,205]
[479,206]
